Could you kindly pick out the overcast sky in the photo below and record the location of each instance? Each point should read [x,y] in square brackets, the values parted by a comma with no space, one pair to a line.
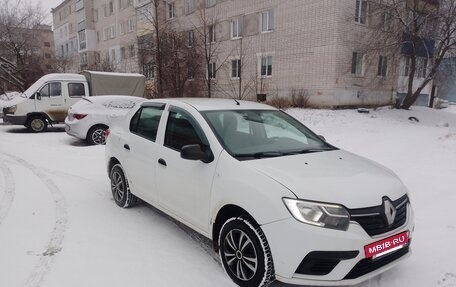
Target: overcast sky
[47,6]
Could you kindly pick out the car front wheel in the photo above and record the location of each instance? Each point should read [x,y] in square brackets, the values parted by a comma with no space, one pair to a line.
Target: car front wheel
[36,124]
[245,253]
[120,189]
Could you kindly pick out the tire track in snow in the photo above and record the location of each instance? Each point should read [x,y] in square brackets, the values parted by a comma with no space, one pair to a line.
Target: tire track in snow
[55,243]
[9,187]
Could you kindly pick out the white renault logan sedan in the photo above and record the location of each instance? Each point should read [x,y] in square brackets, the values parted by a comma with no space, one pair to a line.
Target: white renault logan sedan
[278,202]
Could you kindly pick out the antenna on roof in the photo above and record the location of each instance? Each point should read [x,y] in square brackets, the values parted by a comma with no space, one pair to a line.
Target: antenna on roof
[237,103]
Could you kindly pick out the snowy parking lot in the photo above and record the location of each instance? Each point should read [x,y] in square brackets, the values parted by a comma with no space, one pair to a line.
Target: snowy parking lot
[60,227]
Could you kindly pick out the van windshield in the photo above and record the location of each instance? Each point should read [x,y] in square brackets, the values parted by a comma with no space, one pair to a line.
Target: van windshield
[250,134]
[33,89]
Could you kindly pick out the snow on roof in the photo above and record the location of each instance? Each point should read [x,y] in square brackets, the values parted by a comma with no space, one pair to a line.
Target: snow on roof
[62,77]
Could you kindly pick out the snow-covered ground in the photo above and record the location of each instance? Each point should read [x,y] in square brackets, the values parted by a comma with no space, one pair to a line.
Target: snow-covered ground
[60,227]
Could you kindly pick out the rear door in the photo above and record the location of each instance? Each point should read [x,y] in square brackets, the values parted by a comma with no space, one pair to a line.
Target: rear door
[141,151]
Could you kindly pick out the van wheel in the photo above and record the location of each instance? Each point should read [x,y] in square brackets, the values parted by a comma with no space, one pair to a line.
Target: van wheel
[245,253]
[120,189]
[96,135]
[36,124]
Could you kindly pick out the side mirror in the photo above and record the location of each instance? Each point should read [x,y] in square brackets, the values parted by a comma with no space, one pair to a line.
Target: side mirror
[322,137]
[38,96]
[197,152]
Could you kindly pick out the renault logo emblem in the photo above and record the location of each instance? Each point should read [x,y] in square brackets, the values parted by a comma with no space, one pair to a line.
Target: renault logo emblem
[389,210]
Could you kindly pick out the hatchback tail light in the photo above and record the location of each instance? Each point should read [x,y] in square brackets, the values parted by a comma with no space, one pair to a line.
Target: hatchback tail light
[79,116]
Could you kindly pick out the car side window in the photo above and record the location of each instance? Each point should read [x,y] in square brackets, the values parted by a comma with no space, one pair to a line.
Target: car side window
[76,90]
[145,122]
[181,131]
[51,90]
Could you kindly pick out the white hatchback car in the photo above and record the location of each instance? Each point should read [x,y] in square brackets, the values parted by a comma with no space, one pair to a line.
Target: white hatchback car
[277,201]
[89,118]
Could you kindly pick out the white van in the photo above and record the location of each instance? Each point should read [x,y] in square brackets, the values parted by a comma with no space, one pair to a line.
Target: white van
[47,101]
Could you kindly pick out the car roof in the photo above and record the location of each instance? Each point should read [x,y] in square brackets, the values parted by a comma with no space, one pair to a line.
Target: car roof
[211,104]
[63,77]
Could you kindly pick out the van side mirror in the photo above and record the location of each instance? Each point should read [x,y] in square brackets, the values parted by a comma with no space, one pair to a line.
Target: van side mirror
[38,96]
[322,137]
[197,152]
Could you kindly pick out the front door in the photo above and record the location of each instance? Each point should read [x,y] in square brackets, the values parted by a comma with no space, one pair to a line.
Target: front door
[51,101]
[184,186]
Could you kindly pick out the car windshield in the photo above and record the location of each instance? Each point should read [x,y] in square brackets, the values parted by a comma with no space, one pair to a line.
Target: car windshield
[250,134]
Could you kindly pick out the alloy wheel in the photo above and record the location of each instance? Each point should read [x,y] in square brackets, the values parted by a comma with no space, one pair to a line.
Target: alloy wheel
[117,186]
[240,254]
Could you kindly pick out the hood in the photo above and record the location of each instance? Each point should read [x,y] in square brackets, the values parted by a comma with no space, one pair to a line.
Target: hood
[10,99]
[334,177]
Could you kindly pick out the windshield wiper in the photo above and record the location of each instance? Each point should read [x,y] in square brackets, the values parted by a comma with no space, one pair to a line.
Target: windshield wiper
[310,150]
[263,154]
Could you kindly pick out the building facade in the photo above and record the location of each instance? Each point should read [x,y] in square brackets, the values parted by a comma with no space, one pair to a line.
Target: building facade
[312,48]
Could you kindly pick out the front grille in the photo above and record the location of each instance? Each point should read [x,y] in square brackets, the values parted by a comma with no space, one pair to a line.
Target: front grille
[373,219]
[368,265]
[323,262]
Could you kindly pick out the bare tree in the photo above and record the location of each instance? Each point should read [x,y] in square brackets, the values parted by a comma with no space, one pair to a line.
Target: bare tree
[208,45]
[19,41]
[166,54]
[423,32]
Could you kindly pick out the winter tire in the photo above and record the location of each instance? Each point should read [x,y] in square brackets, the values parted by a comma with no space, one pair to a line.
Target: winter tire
[245,253]
[120,189]
[96,135]
[36,124]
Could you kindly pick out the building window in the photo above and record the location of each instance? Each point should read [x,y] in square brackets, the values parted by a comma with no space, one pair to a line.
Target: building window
[210,3]
[236,28]
[190,38]
[267,21]
[171,10]
[121,28]
[132,50]
[421,67]
[357,63]
[109,33]
[236,68]
[47,44]
[47,55]
[189,6]
[266,66]
[111,7]
[212,70]
[84,59]
[361,11]
[382,66]
[211,31]
[131,23]
[149,70]
[123,53]
[95,15]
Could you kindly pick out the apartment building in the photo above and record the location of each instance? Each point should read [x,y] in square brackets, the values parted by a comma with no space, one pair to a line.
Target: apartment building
[98,35]
[268,47]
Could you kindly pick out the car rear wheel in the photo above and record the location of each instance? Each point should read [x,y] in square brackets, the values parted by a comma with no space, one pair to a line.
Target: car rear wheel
[245,253]
[120,189]
[36,124]
[96,135]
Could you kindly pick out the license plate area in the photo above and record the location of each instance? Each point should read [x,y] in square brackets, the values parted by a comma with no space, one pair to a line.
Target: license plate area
[387,245]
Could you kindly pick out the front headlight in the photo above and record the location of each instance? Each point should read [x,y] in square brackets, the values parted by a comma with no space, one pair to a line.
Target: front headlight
[318,214]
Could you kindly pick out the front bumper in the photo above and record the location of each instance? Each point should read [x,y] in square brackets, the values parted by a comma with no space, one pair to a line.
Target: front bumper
[301,239]
[15,120]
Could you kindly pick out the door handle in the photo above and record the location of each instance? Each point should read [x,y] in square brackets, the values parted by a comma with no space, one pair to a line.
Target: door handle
[127,147]
[162,162]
